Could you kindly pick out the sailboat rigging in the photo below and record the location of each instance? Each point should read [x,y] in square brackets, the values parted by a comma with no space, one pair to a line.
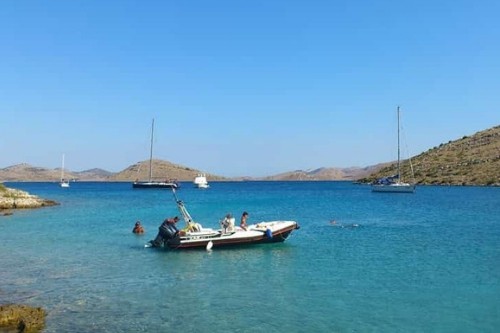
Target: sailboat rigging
[152,183]
[394,183]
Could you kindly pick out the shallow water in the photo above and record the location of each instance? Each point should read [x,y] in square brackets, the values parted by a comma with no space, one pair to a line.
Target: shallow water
[422,262]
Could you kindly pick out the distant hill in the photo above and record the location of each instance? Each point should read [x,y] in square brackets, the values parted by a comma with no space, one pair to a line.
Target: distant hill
[162,170]
[351,173]
[24,172]
[471,160]
[95,174]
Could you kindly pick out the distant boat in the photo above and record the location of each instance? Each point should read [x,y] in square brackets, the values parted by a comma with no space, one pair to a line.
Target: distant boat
[64,182]
[394,183]
[152,183]
[200,181]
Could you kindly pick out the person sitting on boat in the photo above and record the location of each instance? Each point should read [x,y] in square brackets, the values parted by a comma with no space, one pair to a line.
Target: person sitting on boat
[138,228]
[243,221]
[228,223]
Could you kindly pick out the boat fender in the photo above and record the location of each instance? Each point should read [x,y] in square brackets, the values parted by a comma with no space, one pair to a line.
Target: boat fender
[269,233]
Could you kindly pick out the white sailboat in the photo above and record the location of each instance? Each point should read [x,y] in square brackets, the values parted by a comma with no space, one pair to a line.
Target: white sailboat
[152,183]
[394,183]
[64,182]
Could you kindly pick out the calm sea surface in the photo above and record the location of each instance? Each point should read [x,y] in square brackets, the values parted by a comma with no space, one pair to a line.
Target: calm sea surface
[423,262]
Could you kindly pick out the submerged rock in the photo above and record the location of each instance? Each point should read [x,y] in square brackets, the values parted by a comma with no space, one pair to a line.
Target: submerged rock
[22,318]
[17,199]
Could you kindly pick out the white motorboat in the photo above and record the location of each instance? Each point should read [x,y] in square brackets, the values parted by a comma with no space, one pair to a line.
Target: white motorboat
[200,181]
[194,235]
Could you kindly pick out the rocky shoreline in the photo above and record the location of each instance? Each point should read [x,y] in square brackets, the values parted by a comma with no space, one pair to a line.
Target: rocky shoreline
[17,199]
[19,317]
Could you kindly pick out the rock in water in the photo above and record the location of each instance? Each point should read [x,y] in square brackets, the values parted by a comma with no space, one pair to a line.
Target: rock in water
[24,318]
[16,199]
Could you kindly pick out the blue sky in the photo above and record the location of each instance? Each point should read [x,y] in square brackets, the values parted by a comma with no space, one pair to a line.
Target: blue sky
[242,88]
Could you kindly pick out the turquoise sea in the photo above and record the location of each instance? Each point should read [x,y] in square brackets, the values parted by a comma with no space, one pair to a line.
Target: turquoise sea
[423,262]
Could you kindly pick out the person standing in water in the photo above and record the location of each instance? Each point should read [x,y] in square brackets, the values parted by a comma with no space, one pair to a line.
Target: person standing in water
[138,228]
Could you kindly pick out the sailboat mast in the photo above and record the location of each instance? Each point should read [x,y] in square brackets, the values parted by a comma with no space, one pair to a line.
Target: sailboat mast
[62,168]
[151,152]
[399,157]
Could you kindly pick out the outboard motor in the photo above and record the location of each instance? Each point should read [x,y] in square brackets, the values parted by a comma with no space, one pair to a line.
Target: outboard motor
[166,233]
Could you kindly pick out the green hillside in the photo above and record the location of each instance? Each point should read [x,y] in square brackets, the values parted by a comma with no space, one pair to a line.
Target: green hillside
[471,160]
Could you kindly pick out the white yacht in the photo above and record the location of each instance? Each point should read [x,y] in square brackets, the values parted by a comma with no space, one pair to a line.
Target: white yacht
[200,181]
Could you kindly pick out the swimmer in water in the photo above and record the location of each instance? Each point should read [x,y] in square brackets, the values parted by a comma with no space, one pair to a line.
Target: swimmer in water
[351,226]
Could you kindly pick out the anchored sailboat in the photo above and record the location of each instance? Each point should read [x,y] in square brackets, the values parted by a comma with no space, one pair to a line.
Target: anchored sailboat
[394,183]
[64,182]
[151,183]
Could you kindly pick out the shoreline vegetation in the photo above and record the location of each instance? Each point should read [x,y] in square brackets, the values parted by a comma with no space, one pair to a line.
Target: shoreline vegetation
[16,199]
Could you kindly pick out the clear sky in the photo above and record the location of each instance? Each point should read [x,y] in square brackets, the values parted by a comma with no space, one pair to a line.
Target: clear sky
[242,88]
